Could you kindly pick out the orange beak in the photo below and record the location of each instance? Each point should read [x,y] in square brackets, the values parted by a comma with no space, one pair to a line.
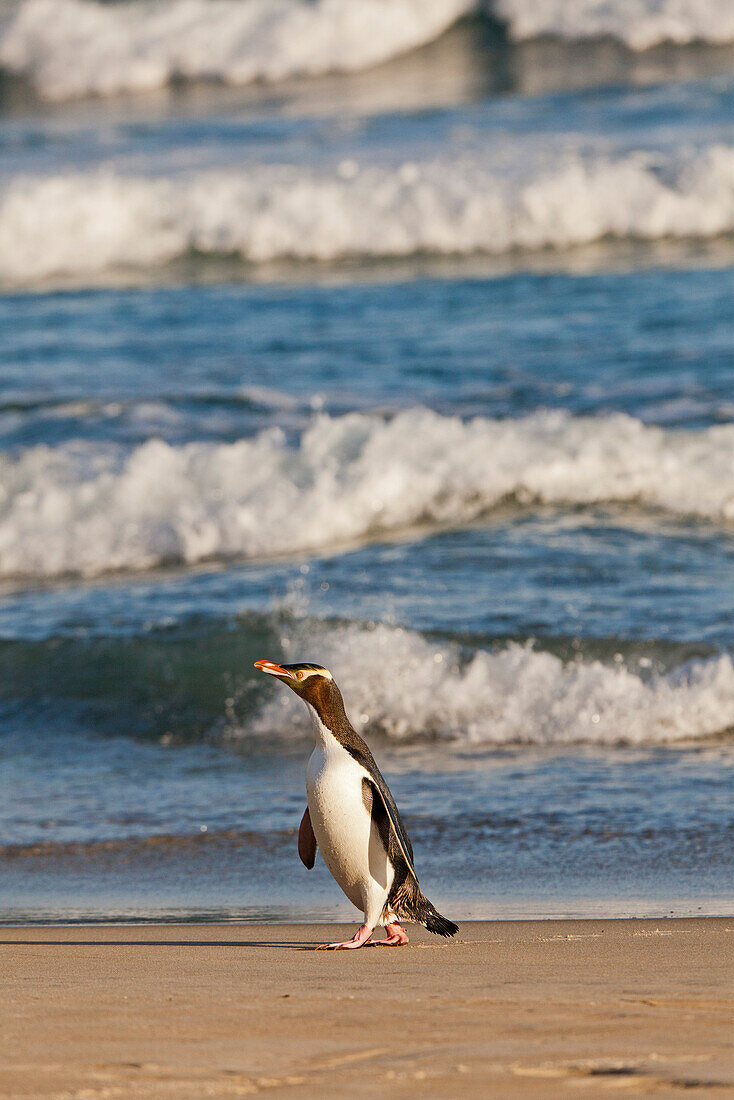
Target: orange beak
[274,670]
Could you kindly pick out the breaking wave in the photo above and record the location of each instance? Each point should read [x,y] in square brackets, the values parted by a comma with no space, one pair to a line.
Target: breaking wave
[86,508]
[69,48]
[80,225]
[640,24]
[195,682]
[409,687]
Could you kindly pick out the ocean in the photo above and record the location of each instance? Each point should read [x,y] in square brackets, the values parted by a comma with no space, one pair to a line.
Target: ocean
[397,337]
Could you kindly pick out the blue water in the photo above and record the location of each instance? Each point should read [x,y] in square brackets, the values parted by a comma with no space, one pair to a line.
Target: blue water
[188,451]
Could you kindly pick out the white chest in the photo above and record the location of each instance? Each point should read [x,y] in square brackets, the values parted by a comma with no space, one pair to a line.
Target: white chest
[340,810]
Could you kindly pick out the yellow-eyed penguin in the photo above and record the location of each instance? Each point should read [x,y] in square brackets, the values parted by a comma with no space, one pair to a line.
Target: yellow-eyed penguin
[352,817]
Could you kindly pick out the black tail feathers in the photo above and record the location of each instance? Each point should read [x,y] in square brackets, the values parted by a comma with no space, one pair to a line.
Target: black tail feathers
[410,903]
[434,922]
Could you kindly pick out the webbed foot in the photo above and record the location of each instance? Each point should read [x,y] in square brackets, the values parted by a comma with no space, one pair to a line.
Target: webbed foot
[396,936]
[359,938]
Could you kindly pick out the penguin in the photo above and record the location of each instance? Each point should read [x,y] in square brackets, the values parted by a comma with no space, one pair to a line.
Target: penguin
[352,818]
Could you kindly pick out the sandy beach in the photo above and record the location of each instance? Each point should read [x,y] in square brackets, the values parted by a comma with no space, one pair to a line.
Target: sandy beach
[551,1008]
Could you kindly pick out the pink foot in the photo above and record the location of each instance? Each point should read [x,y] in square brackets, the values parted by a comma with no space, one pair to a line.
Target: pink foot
[359,938]
[396,936]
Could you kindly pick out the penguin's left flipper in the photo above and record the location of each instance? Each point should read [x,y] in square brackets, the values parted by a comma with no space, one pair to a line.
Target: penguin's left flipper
[307,841]
[386,814]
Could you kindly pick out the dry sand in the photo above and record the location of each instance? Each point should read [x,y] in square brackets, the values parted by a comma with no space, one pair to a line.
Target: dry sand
[516,1009]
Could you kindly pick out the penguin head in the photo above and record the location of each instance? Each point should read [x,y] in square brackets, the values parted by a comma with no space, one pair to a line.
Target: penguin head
[312,683]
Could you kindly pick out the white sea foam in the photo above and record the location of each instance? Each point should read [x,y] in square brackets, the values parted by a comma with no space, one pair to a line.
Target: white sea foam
[80,225]
[88,508]
[407,686]
[638,23]
[70,48]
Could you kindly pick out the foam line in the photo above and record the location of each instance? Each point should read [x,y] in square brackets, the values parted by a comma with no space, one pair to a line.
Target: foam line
[88,508]
[81,225]
[71,48]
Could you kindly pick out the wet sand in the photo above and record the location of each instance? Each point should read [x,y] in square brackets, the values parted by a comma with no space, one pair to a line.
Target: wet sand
[509,1009]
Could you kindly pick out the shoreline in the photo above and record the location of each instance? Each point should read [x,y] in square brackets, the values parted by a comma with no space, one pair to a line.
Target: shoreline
[510,1008]
[284,917]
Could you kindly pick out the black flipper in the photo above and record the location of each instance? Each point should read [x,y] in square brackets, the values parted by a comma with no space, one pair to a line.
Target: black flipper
[406,899]
[381,792]
[307,841]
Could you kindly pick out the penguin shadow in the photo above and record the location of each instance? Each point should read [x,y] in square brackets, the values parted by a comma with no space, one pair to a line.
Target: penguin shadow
[285,945]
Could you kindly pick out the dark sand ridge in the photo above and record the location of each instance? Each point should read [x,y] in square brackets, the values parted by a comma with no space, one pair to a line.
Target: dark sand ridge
[511,1009]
